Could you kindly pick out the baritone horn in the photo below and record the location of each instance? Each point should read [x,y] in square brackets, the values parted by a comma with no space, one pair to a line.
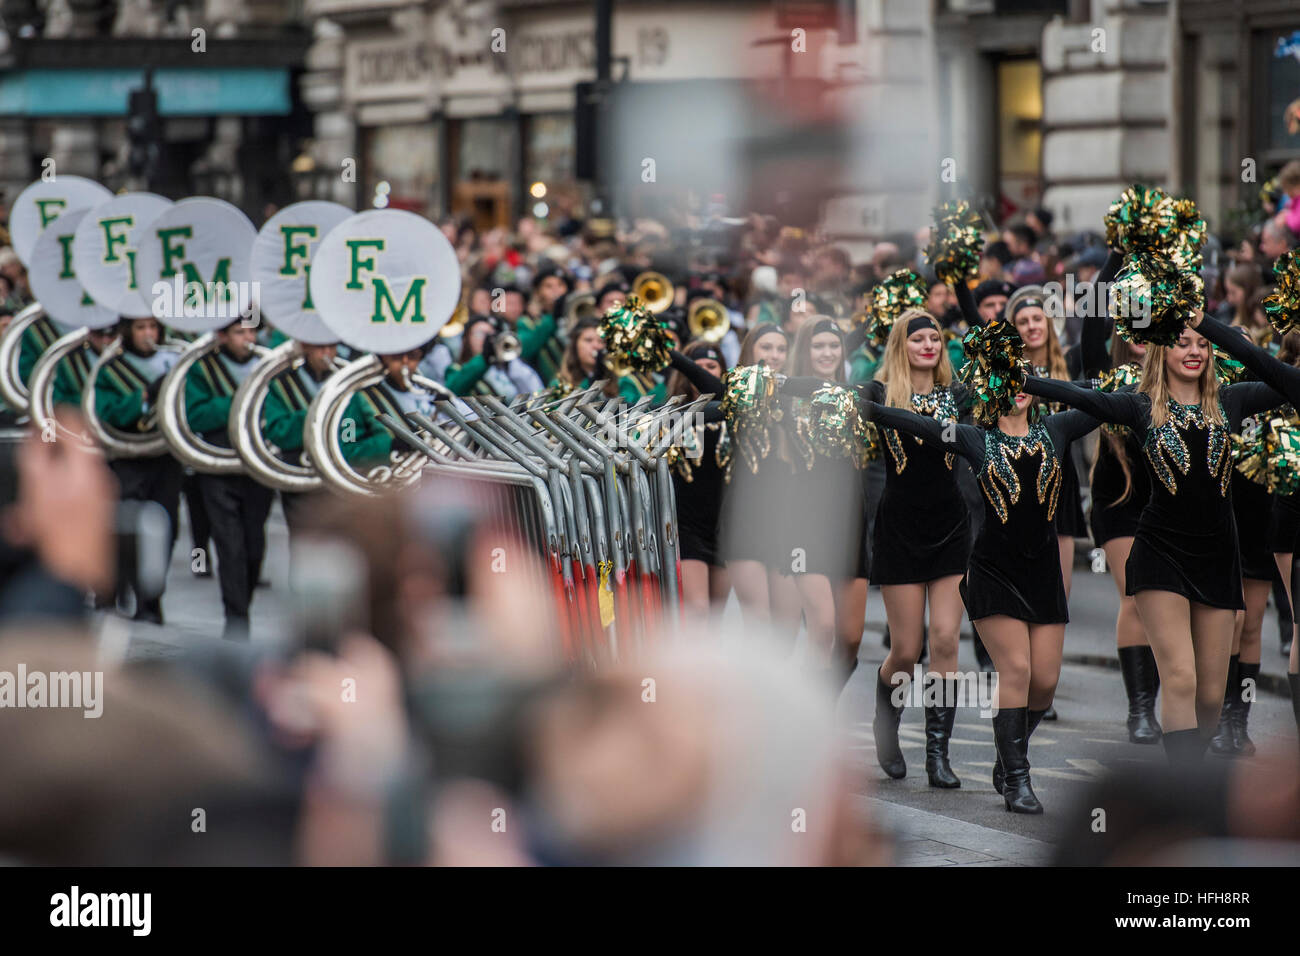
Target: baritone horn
[707,319]
[320,434]
[188,447]
[12,389]
[41,385]
[148,441]
[261,459]
[654,290]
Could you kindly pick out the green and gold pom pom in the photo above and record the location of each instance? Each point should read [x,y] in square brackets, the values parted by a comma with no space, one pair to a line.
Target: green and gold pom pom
[892,296]
[1141,220]
[1282,305]
[1226,368]
[995,369]
[635,337]
[1189,234]
[838,430]
[1121,376]
[748,392]
[1268,451]
[955,243]
[1153,296]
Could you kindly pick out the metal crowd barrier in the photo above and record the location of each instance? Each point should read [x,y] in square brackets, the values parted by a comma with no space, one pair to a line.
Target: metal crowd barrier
[586,482]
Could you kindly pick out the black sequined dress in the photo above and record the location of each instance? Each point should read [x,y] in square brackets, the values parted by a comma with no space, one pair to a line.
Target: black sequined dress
[1015,564]
[1186,539]
[922,527]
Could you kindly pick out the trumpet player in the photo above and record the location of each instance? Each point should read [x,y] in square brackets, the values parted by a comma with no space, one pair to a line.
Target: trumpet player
[540,343]
[490,363]
[237,506]
[126,391]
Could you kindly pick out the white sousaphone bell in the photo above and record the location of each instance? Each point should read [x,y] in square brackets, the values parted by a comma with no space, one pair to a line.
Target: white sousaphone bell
[385,282]
[36,208]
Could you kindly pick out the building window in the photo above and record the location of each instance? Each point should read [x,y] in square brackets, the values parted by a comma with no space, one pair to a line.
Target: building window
[549,149]
[1020,133]
[401,169]
[1277,54]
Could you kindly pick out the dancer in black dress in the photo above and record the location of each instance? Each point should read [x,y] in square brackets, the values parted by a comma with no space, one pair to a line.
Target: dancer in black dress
[1013,589]
[921,541]
[825,517]
[698,481]
[1121,488]
[1285,379]
[1184,569]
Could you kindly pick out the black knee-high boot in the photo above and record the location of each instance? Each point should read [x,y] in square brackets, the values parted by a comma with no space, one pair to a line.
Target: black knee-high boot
[1184,748]
[884,728]
[1221,743]
[1011,734]
[1138,666]
[938,731]
[1035,718]
[1247,682]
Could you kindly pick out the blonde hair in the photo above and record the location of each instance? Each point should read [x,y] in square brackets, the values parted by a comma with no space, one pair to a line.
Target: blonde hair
[895,370]
[1155,385]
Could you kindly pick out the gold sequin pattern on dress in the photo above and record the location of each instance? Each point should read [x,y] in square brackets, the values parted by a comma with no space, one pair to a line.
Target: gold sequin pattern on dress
[1166,448]
[937,404]
[999,479]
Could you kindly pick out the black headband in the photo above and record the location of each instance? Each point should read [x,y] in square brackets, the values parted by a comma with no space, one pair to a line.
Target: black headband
[762,330]
[921,322]
[826,325]
[705,352]
[1027,302]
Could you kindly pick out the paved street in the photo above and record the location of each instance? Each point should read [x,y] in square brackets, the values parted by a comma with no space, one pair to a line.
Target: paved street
[966,827]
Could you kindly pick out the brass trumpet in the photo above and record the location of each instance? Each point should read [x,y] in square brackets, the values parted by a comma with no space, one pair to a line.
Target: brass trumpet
[654,289]
[708,320]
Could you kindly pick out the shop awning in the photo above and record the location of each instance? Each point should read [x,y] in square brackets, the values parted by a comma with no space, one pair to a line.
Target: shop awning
[241,91]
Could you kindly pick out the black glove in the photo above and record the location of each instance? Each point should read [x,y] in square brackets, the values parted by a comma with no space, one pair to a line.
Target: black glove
[490,348]
[602,369]
[151,391]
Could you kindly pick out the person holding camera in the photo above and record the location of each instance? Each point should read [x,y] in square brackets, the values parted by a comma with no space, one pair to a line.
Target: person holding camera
[490,363]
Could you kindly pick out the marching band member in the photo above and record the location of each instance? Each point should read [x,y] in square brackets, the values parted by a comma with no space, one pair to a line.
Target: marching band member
[397,396]
[125,392]
[237,506]
[285,412]
[70,377]
[584,363]
[1184,570]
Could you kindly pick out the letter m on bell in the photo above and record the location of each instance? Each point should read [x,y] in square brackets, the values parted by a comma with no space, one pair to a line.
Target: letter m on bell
[386,303]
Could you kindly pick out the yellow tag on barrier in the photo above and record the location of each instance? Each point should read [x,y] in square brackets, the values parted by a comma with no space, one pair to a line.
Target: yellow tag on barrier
[606,594]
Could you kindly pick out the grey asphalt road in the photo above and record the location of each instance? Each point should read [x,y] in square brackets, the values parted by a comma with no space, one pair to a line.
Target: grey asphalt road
[965,827]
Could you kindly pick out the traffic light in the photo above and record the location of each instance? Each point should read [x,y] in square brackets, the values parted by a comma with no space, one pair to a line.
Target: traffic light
[144,132]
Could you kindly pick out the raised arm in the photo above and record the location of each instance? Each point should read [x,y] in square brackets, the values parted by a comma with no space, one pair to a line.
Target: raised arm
[966,301]
[1119,408]
[1248,398]
[1280,376]
[965,440]
[701,379]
